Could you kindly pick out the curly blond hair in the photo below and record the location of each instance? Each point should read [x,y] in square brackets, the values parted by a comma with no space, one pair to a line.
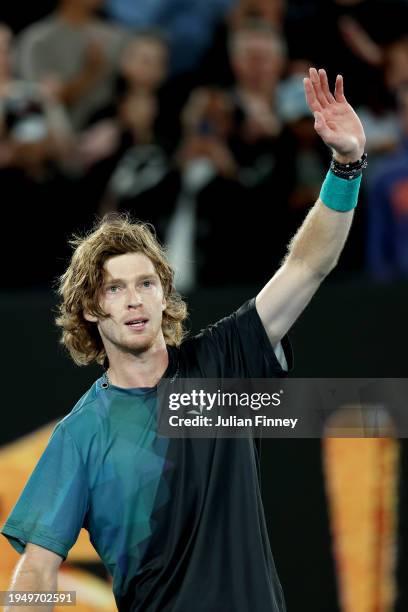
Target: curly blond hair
[80,285]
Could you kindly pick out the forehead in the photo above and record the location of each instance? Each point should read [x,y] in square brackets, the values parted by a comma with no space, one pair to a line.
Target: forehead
[128,266]
[257,42]
[146,45]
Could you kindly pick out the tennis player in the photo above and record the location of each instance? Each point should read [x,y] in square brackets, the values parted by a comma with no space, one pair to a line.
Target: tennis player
[178,523]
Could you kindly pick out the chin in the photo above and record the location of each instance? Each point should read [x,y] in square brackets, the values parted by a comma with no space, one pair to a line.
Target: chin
[141,345]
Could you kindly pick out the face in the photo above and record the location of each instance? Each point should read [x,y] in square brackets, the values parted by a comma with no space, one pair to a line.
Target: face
[132,297]
[144,63]
[257,60]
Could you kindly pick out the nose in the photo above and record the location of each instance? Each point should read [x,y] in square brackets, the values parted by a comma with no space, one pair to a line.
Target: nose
[134,298]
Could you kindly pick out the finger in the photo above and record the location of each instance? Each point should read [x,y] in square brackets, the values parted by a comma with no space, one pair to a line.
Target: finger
[339,89]
[315,79]
[311,99]
[325,86]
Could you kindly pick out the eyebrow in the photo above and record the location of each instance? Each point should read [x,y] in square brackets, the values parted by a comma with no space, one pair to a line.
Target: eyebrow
[112,281]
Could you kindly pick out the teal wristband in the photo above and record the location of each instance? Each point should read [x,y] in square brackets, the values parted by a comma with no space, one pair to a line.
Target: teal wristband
[340,194]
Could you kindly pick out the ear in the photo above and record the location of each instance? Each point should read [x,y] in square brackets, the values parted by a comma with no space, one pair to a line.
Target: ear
[164,304]
[90,318]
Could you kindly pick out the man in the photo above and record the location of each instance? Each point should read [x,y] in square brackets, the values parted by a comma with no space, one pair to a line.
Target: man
[75,54]
[178,523]
[257,54]
[260,144]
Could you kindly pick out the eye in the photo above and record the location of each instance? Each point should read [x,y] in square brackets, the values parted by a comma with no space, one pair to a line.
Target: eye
[147,283]
[113,288]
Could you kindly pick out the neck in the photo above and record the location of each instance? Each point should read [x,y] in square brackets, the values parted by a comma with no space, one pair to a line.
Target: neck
[130,370]
[74,13]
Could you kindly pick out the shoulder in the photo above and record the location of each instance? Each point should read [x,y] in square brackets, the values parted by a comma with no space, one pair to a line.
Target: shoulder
[235,346]
[243,316]
[37,31]
[217,334]
[85,417]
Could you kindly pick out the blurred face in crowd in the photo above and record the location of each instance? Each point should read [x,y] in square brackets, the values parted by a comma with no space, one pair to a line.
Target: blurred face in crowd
[132,297]
[144,63]
[257,59]
[5,52]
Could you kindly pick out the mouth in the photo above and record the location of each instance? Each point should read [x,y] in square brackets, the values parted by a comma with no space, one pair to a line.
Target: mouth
[138,324]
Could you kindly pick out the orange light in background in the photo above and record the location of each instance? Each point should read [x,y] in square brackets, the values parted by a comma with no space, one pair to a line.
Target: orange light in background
[361,484]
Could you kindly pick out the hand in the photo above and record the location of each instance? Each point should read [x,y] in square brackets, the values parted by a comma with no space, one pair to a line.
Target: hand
[335,120]
[98,142]
[209,147]
[260,121]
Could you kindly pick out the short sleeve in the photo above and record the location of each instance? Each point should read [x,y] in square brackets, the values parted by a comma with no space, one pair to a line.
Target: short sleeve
[51,509]
[238,346]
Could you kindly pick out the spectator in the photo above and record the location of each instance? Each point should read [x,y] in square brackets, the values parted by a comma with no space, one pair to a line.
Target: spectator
[259,143]
[143,163]
[36,187]
[387,210]
[32,111]
[257,56]
[199,226]
[232,150]
[142,69]
[123,150]
[144,61]
[35,152]
[76,53]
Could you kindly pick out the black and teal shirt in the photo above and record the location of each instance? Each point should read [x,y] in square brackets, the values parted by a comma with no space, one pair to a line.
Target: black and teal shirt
[178,523]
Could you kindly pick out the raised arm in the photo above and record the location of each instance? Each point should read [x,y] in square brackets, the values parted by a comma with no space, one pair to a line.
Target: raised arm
[315,249]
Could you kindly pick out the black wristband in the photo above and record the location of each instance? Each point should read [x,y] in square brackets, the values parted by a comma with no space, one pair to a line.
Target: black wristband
[351,170]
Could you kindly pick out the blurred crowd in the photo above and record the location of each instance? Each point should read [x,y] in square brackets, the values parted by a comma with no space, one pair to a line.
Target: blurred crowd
[191,115]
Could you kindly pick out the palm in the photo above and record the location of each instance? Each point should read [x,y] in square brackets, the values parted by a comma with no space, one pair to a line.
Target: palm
[335,120]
